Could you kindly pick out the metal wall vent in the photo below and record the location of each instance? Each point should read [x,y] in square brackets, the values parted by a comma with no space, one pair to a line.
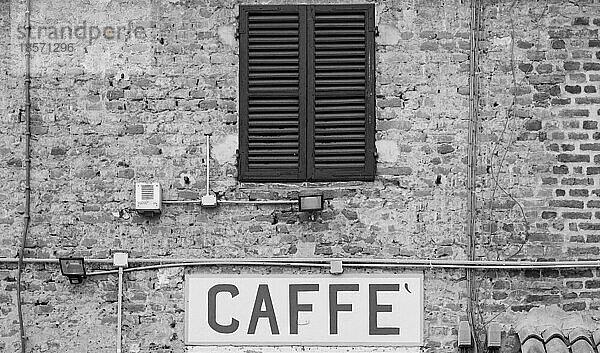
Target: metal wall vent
[148,197]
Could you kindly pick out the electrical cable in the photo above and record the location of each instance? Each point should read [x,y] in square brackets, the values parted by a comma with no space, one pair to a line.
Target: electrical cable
[376,262]
[27,191]
[472,166]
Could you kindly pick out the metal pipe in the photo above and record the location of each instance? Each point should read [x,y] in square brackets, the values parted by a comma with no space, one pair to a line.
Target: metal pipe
[120,311]
[398,263]
[234,202]
[259,202]
[181,202]
[207,164]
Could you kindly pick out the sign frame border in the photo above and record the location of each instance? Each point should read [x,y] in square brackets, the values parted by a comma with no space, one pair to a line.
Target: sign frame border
[420,275]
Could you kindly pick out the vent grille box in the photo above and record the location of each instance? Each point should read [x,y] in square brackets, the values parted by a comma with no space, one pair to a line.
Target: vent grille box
[148,197]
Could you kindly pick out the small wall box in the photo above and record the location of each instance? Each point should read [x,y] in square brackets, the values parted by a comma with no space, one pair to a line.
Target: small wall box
[148,198]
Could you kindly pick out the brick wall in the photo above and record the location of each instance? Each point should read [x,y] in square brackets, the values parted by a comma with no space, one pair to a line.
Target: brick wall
[135,108]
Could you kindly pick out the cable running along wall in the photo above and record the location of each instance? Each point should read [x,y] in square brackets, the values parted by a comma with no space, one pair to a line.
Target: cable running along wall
[472,163]
[27,191]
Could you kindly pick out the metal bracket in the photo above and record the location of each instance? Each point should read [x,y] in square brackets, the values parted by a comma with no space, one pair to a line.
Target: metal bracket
[335,267]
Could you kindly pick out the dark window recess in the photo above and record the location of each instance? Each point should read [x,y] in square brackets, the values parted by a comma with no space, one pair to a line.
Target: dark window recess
[307,104]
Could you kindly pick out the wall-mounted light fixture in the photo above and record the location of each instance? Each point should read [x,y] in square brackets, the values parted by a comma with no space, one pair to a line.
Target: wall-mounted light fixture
[310,202]
[73,268]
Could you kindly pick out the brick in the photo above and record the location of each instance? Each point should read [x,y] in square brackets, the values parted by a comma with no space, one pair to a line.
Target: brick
[134,129]
[576,273]
[596,136]
[571,65]
[126,174]
[578,135]
[549,215]
[536,55]
[593,170]
[546,79]
[566,203]
[524,45]
[573,158]
[570,113]
[544,68]
[560,33]
[525,67]
[587,100]
[589,226]
[590,125]
[544,298]
[445,149]
[590,146]
[577,306]
[578,78]
[573,89]
[560,192]
[533,125]
[577,215]
[593,204]
[555,91]
[549,181]
[563,169]
[115,94]
[577,181]
[588,66]
[579,192]
[560,101]
[558,44]
[58,151]
[581,54]
[581,21]
[590,89]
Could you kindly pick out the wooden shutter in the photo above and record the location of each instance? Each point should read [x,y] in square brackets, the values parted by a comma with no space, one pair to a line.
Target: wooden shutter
[272,93]
[341,100]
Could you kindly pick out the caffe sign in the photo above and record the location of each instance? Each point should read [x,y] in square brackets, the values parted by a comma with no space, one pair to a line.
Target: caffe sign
[286,310]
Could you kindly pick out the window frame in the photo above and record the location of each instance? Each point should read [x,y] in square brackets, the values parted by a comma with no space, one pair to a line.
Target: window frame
[307,171]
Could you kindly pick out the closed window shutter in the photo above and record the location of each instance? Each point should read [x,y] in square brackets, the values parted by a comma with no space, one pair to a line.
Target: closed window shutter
[272,93]
[341,111]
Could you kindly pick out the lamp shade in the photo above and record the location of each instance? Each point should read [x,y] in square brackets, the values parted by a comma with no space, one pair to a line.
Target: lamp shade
[313,202]
[73,268]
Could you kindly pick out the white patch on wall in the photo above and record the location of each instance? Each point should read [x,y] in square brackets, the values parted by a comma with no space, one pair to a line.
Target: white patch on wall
[387,150]
[165,276]
[501,42]
[388,35]
[223,150]
[227,35]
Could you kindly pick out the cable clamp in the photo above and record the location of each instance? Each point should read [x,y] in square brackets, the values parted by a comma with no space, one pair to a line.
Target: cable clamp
[336,267]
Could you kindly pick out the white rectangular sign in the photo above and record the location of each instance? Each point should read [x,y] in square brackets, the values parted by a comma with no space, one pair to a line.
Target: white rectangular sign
[284,310]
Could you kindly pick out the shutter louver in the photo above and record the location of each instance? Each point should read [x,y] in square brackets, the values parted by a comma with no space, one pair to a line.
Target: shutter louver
[341,106]
[273,84]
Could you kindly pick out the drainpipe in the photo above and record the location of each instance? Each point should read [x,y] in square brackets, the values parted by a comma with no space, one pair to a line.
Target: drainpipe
[120,312]
[121,260]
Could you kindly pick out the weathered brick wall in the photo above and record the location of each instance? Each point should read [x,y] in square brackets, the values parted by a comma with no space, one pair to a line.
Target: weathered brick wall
[135,108]
[540,75]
